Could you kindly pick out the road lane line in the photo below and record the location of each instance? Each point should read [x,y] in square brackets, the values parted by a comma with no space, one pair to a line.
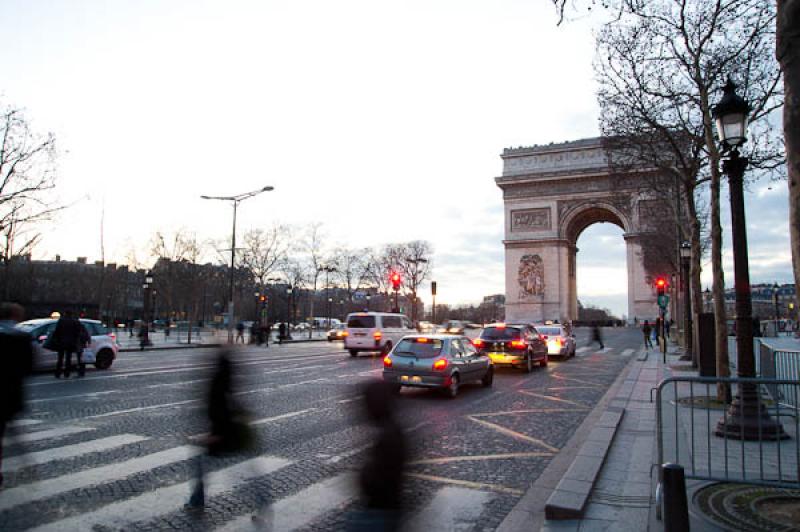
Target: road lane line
[514,434]
[302,508]
[453,508]
[167,499]
[479,458]
[627,353]
[551,398]
[581,350]
[99,475]
[16,463]
[142,409]
[288,415]
[45,435]
[24,422]
[466,483]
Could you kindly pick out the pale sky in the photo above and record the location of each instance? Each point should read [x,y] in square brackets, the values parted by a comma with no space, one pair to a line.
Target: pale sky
[384,120]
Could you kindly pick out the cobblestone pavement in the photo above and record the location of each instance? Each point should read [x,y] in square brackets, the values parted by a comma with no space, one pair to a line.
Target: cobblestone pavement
[113,451]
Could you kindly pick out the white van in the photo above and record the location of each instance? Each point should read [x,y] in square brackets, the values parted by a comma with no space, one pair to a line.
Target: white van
[375,331]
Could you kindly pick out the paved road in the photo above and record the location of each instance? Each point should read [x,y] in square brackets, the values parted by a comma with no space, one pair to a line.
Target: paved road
[113,450]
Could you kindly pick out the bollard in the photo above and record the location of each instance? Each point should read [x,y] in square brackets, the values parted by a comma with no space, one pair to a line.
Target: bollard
[676,510]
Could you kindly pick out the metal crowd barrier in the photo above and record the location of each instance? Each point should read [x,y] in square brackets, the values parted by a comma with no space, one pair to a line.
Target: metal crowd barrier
[779,364]
[686,433]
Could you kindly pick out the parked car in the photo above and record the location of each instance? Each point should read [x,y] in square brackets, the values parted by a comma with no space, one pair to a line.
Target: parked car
[560,340]
[453,327]
[375,331]
[101,351]
[515,345]
[301,327]
[426,327]
[436,361]
[337,333]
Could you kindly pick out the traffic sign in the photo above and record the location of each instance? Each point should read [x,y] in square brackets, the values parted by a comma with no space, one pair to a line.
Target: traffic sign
[663,301]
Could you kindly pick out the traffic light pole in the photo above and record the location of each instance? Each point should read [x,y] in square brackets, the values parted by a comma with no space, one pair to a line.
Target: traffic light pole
[396,308]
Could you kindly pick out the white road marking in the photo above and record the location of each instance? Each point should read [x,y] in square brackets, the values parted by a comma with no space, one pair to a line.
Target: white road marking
[302,508]
[627,353]
[452,509]
[81,479]
[142,409]
[281,416]
[167,499]
[45,434]
[23,422]
[91,395]
[16,463]
[581,350]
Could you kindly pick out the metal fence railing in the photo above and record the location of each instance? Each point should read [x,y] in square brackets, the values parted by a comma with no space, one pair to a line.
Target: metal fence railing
[687,416]
[779,363]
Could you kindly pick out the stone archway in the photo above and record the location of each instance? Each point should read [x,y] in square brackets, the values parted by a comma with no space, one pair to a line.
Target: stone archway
[552,193]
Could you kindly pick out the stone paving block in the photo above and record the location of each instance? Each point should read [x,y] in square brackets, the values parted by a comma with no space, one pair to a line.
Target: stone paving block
[604,434]
[575,486]
[561,526]
[609,419]
[565,505]
[585,468]
[597,525]
[593,448]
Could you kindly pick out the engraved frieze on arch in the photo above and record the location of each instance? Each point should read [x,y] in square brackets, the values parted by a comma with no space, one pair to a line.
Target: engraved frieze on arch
[530,276]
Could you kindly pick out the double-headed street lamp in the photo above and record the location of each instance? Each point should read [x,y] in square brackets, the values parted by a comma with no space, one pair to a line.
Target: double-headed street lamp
[747,419]
[235,200]
[328,269]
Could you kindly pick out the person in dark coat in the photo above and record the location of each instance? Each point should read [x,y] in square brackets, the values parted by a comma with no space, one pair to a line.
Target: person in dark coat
[646,331]
[69,336]
[16,349]
[381,477]
[281,332]
[597,336]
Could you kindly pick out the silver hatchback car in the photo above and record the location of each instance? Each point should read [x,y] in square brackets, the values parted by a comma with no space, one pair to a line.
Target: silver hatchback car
[436,361]
[101,351]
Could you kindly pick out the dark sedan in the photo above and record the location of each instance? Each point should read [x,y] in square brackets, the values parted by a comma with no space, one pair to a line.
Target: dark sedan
[436,361]
[515,345]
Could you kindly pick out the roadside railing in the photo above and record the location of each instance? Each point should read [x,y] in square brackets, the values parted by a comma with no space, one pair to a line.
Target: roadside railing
[687,416]
[779,363]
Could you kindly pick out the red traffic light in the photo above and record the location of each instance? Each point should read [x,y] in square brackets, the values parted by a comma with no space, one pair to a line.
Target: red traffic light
[661,282]
[395,278]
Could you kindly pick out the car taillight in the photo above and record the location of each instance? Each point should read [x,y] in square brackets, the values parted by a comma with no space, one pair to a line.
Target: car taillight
[113,336]
[387,362]
[345,333]
[422,340]
[440,364]
[544,337]
[518,344]
[477,342]
[558,342]
[377,335]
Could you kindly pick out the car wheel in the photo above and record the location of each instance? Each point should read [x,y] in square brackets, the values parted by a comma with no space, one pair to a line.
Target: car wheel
[488,378]
[544,362]
[529,363]
[452,390]
[104,359]
[353,353]
[386,348]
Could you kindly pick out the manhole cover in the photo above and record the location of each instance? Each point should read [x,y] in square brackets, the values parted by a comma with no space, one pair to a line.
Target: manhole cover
[756,508]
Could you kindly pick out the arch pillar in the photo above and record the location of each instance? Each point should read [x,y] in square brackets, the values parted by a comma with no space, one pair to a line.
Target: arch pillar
[642,302]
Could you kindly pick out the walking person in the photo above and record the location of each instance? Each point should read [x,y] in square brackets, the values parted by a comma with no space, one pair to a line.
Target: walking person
[144,336]
[646,332]
[381,478]
[597,336]
[17,363]
[281,333]
[229,432]
[69,336]
[240,332]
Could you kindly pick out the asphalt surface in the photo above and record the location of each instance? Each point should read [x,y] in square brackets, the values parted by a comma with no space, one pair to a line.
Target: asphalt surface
[114,450]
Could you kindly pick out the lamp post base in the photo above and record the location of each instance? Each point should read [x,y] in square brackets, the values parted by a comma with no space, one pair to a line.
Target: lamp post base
[748,419]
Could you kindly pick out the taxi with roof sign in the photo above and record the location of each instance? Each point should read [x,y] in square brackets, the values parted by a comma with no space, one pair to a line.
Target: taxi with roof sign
[442,361]
[515,345]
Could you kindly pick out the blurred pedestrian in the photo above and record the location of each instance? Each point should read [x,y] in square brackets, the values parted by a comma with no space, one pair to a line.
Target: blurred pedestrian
[229,432]
[381,478]
[144,336]
[646,332]
[167,324]
[17,362]
[281,332]
[69,336]
[266,331]
[240,331]
[597,336]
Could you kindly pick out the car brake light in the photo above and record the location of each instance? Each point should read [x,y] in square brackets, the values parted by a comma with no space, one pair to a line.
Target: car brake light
[377,335]
[440,364]
[519,344]
[387,362]
[422,340]
[500,326]
[544,337]
[345,333]
[477,342]
[113,336]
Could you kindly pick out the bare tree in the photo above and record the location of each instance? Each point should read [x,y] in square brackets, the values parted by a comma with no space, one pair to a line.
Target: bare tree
[27,175]
[661,65]
[313,246]
[351,268]
[415,264]
[264,251]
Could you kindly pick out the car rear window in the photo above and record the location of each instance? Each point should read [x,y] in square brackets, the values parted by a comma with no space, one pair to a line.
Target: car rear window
[419,347]
[500,333]
[550,331]
[361,322]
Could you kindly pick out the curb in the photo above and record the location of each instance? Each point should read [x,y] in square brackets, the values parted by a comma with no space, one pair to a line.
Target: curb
[527,513]
[200,346]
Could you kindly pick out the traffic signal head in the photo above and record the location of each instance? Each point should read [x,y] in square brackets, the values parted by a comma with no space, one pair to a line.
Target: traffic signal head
[262,298]
[395,278]
[661,286]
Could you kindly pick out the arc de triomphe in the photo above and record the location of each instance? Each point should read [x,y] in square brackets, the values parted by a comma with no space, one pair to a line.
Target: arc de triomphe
[551,194]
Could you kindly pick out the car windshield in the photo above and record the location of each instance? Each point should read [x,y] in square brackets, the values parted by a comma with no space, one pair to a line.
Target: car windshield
[419,347]
[550,331]
[500,333]
[361,322]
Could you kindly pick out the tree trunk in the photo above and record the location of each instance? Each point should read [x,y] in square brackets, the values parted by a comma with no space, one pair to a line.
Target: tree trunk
[718,287]
[695,269]
[788,54]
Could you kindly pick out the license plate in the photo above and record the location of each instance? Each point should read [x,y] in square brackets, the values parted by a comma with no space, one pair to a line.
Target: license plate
[359,334]
[413,379]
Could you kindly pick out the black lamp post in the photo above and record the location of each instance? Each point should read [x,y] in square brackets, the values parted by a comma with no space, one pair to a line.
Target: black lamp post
[289,304]
[747,418]
[775,295]
[686,255]
[707,299]
[147,286]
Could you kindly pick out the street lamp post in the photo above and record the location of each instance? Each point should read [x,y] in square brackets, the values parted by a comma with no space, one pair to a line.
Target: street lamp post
[328,270]
[289,305]
[747,419]
[368,298]
[775,296]
[686,255]
[235,201]
[707,299]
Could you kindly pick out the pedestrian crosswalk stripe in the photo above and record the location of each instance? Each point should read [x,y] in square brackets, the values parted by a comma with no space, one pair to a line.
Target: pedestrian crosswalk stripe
[47,488]
[302,508]
[452,508]
[24,422]
[45,434]
[167,499]
[281,416]
[627,352]
[16,463]
[143,408]
[581,350]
